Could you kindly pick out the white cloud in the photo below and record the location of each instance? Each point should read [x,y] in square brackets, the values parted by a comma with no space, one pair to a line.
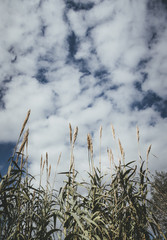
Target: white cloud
[116,47]
[84,50]
[157,69]
[77,22]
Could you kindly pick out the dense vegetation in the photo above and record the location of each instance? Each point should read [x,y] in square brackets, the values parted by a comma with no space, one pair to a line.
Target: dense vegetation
[115,209]
[159,199]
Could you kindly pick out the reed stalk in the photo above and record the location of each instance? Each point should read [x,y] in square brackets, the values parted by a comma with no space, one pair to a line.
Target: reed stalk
[112,210]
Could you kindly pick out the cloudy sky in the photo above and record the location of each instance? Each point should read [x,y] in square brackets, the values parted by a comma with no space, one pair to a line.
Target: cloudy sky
[88,63]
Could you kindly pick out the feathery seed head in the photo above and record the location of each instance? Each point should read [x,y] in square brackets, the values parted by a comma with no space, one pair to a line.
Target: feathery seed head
[148,151]
[25,122]
[24,141]
[41,162]
[70,132]
[49,170]
[138,136]
[75,135]
[90,144]
[113,131]
[43,165]
[100,131]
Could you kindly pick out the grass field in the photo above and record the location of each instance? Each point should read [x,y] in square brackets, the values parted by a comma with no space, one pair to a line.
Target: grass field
[116,209]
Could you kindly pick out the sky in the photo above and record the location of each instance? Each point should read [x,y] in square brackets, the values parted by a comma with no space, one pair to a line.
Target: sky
[89,63]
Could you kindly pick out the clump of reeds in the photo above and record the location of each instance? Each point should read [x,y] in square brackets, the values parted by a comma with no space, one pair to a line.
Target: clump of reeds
[116,209]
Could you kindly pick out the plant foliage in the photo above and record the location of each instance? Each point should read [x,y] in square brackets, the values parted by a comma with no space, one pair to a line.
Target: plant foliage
[115,209]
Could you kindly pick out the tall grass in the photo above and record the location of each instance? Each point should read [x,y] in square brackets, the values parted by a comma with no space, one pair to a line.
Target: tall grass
[115,209]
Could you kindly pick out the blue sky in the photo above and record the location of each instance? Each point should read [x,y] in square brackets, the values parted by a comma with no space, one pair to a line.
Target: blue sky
[90,63]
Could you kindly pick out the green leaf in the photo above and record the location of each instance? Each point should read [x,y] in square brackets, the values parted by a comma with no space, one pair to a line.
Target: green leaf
[77,220]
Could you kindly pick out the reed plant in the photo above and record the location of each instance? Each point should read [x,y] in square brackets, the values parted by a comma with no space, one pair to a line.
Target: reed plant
[116,209]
